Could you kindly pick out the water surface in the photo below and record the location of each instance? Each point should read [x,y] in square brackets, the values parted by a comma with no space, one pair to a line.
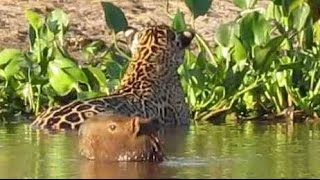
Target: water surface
[245,150]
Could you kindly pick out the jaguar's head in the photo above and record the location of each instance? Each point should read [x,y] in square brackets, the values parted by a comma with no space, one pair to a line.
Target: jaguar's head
[159,44]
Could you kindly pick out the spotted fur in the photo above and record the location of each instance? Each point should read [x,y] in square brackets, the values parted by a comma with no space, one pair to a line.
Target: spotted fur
[150,87]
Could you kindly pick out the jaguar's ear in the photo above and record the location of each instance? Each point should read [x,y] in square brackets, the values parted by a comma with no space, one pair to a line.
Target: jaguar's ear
[129,34]
[186,37]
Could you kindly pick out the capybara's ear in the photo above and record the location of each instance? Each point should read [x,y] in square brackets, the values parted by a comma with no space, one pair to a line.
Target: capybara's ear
[135,125]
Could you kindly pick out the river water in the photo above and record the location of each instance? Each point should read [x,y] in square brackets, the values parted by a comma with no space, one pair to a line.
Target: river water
[247,150]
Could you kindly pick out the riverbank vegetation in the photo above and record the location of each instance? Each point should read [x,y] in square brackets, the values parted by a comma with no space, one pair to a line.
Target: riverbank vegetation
[264,64]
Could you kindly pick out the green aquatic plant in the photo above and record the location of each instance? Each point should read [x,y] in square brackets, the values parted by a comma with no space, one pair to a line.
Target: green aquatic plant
[265,61]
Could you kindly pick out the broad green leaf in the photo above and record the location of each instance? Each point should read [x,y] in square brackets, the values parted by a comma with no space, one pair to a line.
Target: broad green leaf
[114,17]
[274,12]
[64,62]
[294,4]
[8,54]
[239,54]
[198,7]
[61,82]
[58,23]
[59,16]
[12,68]
[260,28]
[299,16]
[77,74]
[34,19]
[262,55]
[2,74]
[113,69]
[225,34]
[99,76]
[32,36]
[246,30]
[254,29]
[71,68]
[201,60]
[53,26]
[178,22]
[245,4]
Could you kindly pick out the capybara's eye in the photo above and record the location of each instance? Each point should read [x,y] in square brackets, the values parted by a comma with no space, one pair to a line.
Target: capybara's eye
[112,127]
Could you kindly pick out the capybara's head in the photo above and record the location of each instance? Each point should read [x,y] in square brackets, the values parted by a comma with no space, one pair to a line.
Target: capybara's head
[114,137]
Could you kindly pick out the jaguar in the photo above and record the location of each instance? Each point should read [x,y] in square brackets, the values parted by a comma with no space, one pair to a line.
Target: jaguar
[150,87]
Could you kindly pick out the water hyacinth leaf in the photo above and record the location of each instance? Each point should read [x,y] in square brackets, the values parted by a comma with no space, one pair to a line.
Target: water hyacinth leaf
[245,4]
[12,68]
[8,54]
[61,82]
[113,69]
[262,55]
[114,17]
[260,28]
[60,17]
[39,45]
[225,34]
[64,62]
[293,4]
[274,12]
[2,74]
[77,74]
[34,19]
[201,60]
[99,76]
[53,26]
[299,16]
[32,36]
[239,54]
[198,7]
[178,22]
[72,69]
[246,30]
[287,5]
[254,29]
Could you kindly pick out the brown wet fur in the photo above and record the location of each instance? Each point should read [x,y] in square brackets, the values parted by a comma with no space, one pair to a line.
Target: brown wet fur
[114,137]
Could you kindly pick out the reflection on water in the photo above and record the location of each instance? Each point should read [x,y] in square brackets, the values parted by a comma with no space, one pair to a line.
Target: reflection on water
[207,151]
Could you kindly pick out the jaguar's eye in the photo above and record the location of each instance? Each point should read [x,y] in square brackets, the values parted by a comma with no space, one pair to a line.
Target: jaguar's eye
[112,127]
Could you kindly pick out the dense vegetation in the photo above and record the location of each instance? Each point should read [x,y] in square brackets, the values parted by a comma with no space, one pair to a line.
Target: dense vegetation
[265,61]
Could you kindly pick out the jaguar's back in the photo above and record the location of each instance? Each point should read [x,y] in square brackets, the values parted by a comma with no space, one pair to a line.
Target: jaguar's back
[150,88]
